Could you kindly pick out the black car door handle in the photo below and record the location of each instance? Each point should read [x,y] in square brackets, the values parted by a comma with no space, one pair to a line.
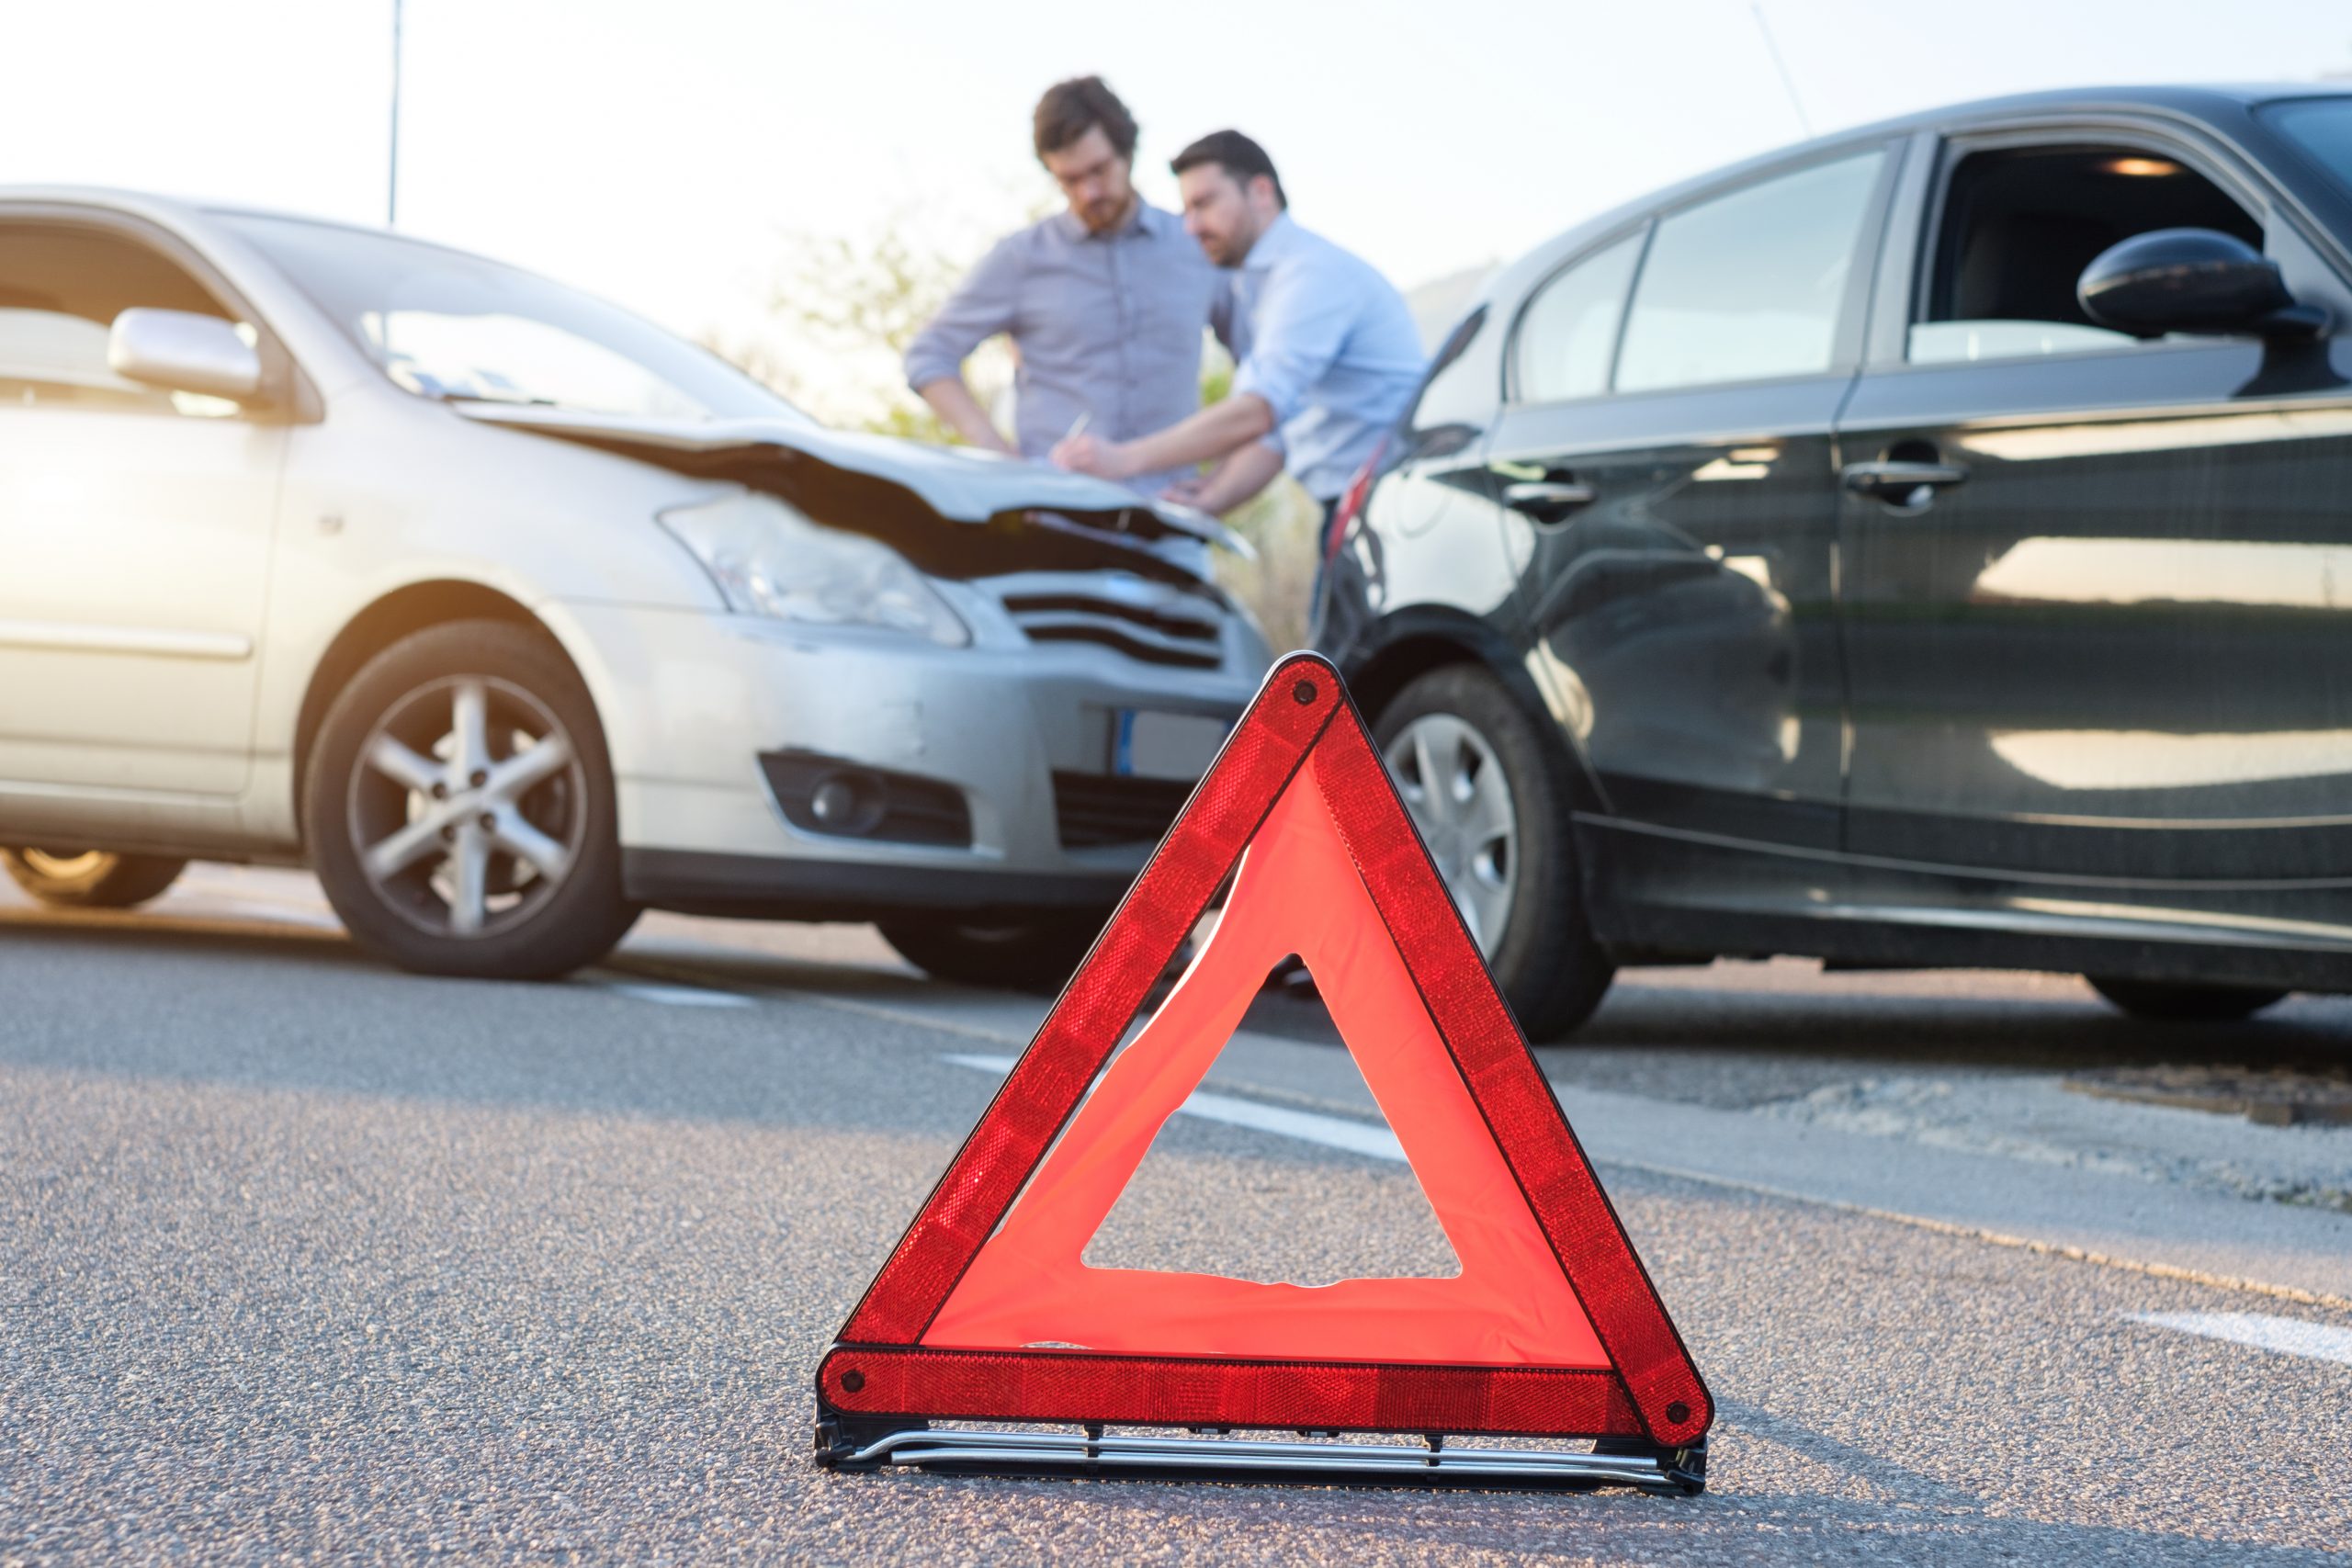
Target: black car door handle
[1907,487]
[1547,501]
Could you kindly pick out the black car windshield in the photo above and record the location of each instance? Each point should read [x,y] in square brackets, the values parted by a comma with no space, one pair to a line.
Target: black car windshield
[445,324]
[2321,128]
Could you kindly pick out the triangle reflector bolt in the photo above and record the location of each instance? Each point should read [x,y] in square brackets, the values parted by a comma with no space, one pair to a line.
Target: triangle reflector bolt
[984,1310]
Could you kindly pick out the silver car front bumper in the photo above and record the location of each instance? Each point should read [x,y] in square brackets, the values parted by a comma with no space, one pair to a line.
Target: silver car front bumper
[697,709]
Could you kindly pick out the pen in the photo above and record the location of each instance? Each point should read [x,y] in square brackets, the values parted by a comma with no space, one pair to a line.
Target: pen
[1078,425]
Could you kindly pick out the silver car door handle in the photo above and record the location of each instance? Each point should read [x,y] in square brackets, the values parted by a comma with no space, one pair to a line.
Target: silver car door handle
[1547,501]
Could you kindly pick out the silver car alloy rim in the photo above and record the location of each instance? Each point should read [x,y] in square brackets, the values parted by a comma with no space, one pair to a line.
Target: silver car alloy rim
[1453,784]
[62,865]
[468,807]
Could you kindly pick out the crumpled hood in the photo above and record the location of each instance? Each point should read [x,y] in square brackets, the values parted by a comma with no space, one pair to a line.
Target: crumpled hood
[957,483]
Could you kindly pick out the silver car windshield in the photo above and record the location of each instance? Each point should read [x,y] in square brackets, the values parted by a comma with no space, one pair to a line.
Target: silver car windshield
[445,324]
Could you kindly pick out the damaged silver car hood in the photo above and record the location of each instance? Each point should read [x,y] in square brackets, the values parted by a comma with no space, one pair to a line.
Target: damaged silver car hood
[959,483]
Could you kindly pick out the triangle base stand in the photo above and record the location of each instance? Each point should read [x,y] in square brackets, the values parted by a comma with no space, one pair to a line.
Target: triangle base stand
[847,1442]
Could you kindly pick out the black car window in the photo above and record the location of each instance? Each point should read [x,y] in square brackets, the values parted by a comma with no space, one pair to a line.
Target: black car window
[1749,284]
[2020,224]
[61,289]
[1570,328]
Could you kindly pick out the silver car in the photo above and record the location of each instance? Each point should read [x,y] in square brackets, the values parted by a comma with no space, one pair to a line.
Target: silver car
[511,614]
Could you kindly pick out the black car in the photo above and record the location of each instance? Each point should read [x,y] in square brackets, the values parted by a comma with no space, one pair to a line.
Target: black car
[1928,545]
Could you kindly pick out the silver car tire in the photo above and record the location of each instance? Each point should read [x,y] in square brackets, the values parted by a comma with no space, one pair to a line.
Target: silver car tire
[459,807]
[1488,796]
[89,879]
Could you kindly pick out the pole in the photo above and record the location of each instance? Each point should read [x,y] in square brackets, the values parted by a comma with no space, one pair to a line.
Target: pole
[1772,47]
[393,179]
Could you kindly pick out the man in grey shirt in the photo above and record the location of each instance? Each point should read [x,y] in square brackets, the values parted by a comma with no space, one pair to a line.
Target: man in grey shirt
[1106,302]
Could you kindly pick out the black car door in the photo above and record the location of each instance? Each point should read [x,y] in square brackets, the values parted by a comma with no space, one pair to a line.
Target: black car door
[2099,590]
[1665,471]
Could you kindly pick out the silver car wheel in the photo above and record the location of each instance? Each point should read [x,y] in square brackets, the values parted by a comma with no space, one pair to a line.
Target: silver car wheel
[466,807]
[1453,784]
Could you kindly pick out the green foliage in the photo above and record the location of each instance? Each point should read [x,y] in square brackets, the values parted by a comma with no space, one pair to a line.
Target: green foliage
[1217,375]
[1281,522]
[856,304]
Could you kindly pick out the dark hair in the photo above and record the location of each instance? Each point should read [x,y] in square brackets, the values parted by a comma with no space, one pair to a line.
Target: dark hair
[1236,155]
[1069,109]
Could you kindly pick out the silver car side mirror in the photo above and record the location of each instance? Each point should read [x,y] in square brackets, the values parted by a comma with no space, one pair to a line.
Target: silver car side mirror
[183,352]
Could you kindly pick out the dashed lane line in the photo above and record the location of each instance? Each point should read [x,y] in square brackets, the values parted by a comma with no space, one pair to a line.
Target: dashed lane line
[673,996]
[909,1016]
[2285,1336]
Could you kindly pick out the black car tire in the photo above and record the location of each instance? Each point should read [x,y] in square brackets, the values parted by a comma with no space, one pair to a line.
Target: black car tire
[556,920]
[90,879]
[1551,970]
[1027,955]
[2183,1001]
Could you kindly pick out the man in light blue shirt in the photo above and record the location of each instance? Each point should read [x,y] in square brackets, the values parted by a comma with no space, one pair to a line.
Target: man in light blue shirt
[1327,355]
[1106,302]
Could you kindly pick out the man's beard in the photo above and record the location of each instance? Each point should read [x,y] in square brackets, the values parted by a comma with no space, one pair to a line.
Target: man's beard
[1227,251]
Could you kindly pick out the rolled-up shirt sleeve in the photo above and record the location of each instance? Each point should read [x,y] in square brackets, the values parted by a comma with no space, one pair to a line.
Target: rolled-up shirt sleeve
[983,305]
[1300,331]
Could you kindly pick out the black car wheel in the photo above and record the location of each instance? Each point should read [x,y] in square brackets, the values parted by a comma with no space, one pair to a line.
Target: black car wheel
[1026,955]
[459,807]
[2183,1001]
[89,879]
[1486,793]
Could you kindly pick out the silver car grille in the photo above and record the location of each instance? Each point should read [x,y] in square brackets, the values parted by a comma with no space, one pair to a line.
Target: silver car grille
[1145,621]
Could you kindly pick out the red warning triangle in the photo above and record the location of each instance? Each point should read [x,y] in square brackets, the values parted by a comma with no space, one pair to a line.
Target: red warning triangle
[985,1310]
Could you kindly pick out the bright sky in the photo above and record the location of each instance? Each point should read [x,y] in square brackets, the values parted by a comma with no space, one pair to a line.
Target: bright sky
[656,154]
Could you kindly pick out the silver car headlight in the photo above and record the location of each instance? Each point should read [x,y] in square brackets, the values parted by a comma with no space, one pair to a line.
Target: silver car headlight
[769,560]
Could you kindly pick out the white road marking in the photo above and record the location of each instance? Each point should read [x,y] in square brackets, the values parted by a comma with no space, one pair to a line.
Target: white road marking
[1331,1132]
[676,996]
[912,1018]
[2287,1336]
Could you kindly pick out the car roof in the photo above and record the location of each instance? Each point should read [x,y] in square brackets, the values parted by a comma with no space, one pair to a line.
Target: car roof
[2200,102]
[2213,104]
[151,204]
[184,212]
[2192,99]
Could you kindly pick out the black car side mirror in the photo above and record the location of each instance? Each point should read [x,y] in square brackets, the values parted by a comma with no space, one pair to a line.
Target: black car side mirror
[2192,280]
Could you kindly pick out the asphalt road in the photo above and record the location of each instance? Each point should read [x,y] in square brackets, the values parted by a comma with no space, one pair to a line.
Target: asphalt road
[303,1258]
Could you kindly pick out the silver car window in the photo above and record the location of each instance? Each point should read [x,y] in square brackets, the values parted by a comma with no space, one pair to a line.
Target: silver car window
[445,324]
[60,287]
